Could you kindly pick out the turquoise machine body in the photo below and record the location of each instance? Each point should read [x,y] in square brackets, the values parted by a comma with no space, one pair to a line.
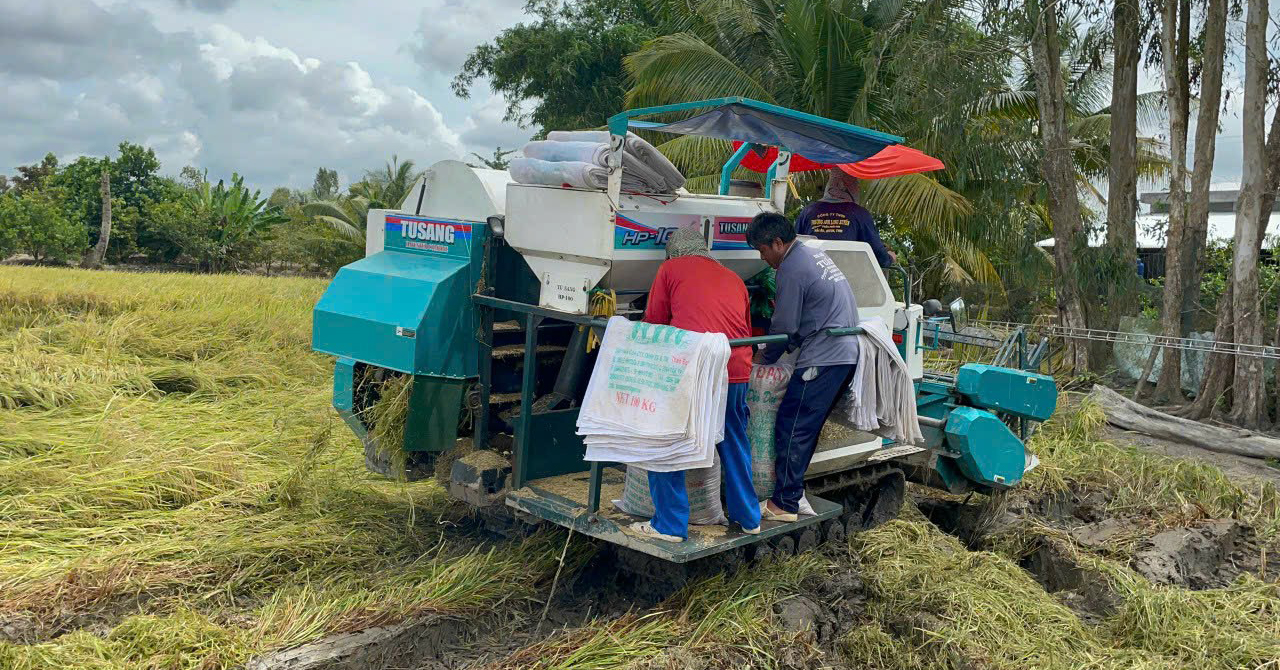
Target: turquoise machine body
[982,412]
[1026,395]
[406,306]
[408,309]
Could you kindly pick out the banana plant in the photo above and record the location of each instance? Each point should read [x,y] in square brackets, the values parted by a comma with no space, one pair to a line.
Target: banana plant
[234,214]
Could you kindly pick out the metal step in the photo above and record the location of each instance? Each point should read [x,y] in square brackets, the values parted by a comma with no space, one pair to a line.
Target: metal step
[504,398]
[508,351]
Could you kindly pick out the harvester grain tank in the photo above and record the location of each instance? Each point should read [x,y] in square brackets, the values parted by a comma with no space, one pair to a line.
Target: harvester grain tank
[479,289]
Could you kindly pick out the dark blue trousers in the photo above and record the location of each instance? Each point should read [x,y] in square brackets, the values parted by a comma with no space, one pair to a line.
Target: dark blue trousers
[671,499]
[804,409]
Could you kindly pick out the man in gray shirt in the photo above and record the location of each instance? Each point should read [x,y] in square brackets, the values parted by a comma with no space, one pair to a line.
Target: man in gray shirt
[812,296]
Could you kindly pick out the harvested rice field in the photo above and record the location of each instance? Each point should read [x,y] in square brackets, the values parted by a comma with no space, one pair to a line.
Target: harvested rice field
[176,492]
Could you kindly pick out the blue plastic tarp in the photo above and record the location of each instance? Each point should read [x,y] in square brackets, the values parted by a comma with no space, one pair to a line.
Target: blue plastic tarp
[815,141]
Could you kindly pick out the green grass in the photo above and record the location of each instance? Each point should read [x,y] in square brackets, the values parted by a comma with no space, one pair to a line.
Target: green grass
[726,617]
[170,466]
[980,606]
[1168,491]
[176,492]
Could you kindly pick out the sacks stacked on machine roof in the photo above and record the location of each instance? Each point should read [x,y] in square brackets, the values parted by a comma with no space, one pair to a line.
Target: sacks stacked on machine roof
[580,159]
[656,398]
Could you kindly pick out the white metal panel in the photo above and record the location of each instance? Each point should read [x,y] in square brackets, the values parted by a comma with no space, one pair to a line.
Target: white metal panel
[914,357]
[454,190]
[550,222]
[565,235]
[375,231]
[842,458]
[858,263]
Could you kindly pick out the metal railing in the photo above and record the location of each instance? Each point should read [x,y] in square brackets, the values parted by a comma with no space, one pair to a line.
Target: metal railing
[533,316]
[1123,337]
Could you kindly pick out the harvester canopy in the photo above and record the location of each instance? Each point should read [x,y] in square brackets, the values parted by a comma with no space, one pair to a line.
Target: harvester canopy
[895,160]
[762,132]
[746,120]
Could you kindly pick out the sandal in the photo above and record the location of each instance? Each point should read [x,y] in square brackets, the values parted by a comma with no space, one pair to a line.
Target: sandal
[645,529]
[768,514]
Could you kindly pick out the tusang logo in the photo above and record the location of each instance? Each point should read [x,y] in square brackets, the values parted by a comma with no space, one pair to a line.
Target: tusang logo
[427,232]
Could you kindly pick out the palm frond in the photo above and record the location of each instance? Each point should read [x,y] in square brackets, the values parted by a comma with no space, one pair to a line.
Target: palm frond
[341,227]
[919,200]
[682,67]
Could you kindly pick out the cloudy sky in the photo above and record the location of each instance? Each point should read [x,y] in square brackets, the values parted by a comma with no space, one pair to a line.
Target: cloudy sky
[272,89]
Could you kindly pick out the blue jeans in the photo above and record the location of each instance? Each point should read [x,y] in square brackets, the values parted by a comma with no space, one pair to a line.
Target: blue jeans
[804,409]
[671,499]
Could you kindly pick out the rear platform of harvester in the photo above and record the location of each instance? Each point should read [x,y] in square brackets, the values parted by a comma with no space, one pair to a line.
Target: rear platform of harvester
[478,289]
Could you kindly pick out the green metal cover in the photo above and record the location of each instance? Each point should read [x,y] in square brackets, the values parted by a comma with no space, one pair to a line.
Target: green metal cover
[1025,394]
[559,449]
[990,453]
[403,311]
[432,425]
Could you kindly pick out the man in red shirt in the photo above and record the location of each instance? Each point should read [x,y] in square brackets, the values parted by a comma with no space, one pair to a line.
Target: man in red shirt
[695,292]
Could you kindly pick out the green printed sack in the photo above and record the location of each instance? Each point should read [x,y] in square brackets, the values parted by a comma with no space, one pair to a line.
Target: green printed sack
[703,486]
[764,393]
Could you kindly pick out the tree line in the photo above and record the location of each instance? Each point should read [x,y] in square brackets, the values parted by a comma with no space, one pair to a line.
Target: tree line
[121,209]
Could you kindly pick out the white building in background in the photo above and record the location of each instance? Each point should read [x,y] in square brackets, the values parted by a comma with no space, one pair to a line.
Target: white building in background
[1152,223]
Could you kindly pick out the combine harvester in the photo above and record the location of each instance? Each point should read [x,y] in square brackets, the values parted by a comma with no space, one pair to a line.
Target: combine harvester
[480,288]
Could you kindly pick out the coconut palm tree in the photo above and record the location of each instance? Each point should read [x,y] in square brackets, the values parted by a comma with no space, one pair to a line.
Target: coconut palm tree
[917,68]
[346,216]
[389,186]
[837,59]
[380,189]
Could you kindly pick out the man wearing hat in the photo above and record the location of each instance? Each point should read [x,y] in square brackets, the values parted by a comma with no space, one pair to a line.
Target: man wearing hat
[838,216]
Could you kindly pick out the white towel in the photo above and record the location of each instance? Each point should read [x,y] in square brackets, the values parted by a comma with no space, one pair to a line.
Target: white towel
[656,397]
[882,397]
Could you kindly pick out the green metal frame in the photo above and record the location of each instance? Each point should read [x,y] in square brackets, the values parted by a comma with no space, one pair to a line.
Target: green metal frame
[730,165]
[556,508]
[533,317]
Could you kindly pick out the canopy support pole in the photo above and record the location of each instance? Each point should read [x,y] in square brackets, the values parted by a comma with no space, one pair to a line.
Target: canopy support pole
[775,183]
[726,172]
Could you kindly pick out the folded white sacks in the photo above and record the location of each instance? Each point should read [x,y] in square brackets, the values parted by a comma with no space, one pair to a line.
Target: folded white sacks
[574,174]
[596,153]
[656,398]
[881,396]
[636,175]
[635,146]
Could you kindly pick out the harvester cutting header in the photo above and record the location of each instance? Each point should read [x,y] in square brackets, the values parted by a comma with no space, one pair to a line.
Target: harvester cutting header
[489,290]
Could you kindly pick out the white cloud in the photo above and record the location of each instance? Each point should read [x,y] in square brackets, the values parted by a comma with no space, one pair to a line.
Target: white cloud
[213,97]
[210,6]
[449,29]
[484,129]
[227,49]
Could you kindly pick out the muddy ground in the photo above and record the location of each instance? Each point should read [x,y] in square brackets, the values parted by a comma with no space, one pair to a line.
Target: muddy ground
[1044,534]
